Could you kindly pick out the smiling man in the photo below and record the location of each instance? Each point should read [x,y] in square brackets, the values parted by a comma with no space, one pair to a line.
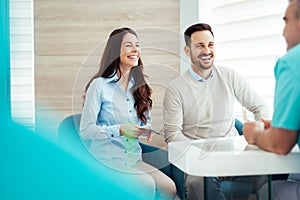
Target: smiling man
[200,104]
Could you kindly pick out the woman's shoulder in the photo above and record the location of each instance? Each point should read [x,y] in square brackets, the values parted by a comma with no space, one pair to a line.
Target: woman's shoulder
[98,82]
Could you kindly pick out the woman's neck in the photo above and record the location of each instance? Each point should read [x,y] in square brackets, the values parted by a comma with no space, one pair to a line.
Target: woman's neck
[124,79]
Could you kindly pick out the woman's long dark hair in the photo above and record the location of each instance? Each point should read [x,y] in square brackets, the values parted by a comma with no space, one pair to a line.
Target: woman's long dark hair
[110,65]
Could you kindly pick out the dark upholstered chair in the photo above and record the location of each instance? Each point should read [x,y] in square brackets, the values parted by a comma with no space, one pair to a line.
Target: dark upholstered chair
[68,134]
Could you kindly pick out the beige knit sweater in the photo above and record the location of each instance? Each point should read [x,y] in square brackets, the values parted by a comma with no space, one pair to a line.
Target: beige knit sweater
[195,110]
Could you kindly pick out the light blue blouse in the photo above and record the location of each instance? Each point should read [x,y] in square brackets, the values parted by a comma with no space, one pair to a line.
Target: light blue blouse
[106,107]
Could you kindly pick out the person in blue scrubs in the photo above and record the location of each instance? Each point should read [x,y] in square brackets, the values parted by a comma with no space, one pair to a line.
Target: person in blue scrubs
[282,133]
[116,112]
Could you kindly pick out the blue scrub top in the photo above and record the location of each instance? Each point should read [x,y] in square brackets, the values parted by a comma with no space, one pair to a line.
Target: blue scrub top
[287,91]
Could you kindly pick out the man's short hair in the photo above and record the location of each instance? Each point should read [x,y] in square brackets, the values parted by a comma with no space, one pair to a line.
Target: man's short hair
[297,9]
[194,28]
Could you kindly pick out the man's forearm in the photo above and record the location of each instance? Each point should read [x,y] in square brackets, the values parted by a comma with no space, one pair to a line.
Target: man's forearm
[277,140]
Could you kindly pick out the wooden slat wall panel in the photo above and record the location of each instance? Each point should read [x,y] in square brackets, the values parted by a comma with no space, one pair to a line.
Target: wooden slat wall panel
[76,26]
[69,38]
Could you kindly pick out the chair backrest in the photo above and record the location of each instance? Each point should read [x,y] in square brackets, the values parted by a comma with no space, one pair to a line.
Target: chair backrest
[68,133]
[239,126]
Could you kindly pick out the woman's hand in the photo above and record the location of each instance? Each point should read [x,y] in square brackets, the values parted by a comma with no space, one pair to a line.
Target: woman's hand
[130,131]
[134,131]
[147,132]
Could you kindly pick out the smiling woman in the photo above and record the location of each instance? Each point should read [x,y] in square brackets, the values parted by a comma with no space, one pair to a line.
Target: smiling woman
[130,51]
[116,107]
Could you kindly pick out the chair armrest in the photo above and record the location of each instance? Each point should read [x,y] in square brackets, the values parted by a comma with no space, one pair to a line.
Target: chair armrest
[179,179]
[239,126]
[156,157]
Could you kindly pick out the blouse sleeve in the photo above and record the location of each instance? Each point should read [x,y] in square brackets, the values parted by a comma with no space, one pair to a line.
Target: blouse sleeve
[89,129]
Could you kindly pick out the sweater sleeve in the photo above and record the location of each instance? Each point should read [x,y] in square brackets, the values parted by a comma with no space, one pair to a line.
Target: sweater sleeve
[173,117]
[248,97]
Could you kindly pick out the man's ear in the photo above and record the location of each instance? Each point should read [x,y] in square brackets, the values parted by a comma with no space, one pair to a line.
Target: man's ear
[298,28]
[187,51]
[298,22]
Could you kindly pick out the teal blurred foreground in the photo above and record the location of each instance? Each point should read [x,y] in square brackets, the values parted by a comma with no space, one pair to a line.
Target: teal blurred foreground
[35,168]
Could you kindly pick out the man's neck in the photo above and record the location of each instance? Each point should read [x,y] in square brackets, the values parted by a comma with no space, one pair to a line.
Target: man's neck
[204,73]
